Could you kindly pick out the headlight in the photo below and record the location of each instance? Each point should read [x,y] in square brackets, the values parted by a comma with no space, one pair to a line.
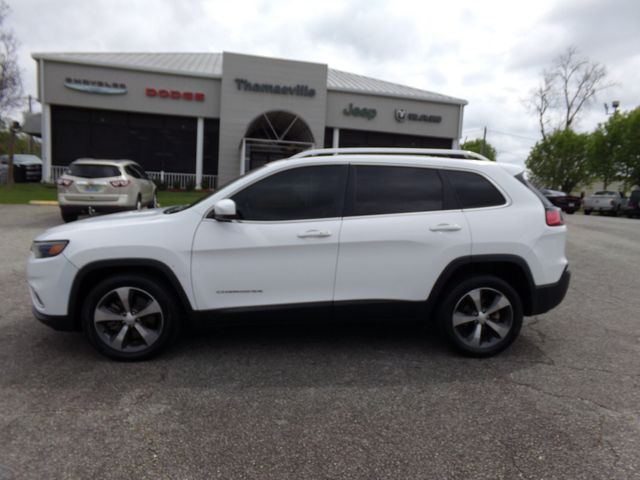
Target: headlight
[48,248]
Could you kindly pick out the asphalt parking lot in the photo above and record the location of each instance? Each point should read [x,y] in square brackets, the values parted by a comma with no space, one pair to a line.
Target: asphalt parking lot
[338,402]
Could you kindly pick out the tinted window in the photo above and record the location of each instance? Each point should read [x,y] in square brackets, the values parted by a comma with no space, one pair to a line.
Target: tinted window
[382,190]
[131,170]
[296,194]
[474,191]
[93,171]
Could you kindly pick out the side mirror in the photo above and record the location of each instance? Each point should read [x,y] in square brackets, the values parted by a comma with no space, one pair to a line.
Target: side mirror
[224,210]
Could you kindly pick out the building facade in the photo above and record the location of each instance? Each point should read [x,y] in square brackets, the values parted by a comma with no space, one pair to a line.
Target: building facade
[223,114]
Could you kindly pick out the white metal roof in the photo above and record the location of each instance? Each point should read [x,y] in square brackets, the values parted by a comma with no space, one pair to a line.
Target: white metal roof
[210,65]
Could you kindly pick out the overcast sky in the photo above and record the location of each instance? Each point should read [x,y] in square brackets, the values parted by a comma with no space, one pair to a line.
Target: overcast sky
[490,53]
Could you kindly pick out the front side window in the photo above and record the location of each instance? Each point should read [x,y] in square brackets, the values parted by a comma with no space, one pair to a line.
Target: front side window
[377,190]
[296,194]
[474,191]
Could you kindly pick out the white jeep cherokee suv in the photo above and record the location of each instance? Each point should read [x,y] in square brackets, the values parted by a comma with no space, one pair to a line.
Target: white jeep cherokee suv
[421,232]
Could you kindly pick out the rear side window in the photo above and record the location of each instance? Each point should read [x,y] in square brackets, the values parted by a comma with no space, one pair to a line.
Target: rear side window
[545,201]
[376,190]
[474,191]
[131,170]
[296,194]
[93,171]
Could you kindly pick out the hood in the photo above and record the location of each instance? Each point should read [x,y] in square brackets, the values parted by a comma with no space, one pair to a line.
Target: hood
[114,220]
[26,160]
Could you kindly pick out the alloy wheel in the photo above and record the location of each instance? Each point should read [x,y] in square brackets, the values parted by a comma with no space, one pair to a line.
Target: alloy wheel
[482,318]
[128,319]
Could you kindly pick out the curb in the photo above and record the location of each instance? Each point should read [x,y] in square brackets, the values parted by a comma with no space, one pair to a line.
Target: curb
[51,203]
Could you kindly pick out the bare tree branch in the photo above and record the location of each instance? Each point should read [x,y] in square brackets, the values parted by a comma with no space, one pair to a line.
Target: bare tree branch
[10,74]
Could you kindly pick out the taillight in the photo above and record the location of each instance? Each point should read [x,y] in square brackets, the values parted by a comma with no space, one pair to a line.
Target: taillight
[120,183]
[554,216]
[64,182]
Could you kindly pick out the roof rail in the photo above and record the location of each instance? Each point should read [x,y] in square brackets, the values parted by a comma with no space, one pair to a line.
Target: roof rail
[319,152]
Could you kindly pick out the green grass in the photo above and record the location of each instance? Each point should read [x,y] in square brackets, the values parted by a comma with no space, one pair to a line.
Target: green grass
[22,193]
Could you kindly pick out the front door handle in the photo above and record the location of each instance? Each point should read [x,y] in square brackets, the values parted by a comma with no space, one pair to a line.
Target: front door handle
[314,233]
[445,227]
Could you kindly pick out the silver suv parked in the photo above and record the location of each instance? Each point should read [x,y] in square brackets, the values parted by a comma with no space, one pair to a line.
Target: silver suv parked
[90,185]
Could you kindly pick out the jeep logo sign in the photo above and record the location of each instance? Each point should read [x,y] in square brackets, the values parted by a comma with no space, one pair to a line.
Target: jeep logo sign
[402,115]
[368,113]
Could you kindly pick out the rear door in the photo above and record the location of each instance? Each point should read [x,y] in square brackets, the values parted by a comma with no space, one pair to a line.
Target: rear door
[401,228]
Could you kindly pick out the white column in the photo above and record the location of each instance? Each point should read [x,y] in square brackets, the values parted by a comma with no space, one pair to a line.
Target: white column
[336,138]
[46,142]
[243,153]
[199,152]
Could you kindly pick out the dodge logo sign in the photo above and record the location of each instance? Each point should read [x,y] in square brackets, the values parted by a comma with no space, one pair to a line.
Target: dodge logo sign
[174,94]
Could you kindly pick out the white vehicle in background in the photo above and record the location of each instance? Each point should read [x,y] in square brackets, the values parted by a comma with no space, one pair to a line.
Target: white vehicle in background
[468,243]
[608,202]
[90,185]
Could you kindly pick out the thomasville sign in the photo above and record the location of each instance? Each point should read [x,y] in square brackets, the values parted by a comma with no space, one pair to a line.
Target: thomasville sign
[296,90]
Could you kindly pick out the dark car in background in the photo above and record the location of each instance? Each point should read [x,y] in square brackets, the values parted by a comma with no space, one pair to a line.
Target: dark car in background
[26,168]
[568,203]
[632,208]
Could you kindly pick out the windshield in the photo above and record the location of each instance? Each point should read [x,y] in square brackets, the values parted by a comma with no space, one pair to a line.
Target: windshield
[87,170]
[605,194]
[179,208]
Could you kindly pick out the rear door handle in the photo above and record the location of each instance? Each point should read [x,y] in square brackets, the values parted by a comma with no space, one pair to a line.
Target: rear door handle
[445,227]
[314,233]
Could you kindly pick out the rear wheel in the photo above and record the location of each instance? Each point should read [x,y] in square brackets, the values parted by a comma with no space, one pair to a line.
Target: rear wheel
[481,316]
[154,202]
[139,203]
[587,212]
[130,317]
[68,215]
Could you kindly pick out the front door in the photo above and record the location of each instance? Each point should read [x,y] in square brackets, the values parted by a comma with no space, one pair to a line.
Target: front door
[282,249]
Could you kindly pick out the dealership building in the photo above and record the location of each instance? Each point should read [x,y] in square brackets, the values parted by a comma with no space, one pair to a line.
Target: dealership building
[214,116]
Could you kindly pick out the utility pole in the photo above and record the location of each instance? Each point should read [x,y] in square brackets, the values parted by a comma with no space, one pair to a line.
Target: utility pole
[30,136]
[484,141]
[15,126]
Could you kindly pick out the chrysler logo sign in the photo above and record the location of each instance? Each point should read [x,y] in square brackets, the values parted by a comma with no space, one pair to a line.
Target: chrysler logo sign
[402,115]
[95,86]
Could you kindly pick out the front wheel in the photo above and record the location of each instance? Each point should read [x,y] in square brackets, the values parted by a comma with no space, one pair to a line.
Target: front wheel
[130,317]
[481,316]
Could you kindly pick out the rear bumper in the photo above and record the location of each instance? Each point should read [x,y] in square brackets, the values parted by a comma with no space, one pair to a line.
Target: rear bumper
[546,297]
[62,323]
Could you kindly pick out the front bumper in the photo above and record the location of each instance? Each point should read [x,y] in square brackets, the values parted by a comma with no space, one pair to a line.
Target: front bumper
[62,323]
[546,297]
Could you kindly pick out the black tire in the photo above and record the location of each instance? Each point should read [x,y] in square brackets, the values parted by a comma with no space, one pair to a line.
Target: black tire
[162,327]
[587,212]
[154,201]
[138,205]
[509,318]
[68,216]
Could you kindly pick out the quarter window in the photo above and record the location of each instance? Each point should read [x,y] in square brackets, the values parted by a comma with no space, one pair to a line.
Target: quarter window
[296,194]
[474,191]
[377,190]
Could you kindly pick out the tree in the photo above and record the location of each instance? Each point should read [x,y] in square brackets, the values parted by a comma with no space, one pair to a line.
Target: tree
[614,149]
[10,75]
[480,146]
[570,85]
[560,161]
